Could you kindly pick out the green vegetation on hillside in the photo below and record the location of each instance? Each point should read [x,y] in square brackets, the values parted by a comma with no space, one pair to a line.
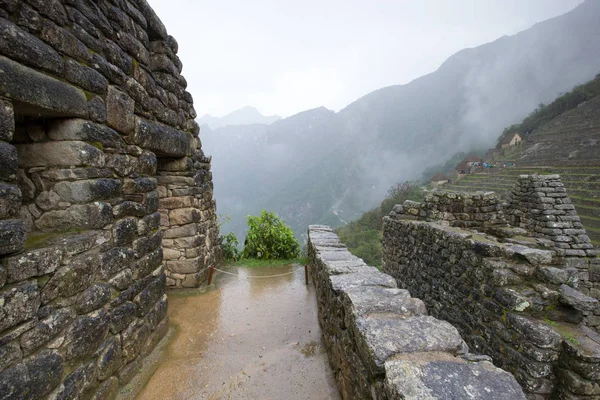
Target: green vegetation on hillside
[544,113]
[363,236]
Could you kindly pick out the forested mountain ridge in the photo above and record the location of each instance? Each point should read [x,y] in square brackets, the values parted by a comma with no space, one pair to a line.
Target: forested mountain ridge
[324,167]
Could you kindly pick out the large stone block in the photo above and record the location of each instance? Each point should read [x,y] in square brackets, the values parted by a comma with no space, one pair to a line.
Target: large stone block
[88,191]
[377,338]
[107,390]
[121,316]
[139,185]
[156,29]
[64,41]
[162,139]
[110,359]
[170,203]
[183,216]
[24,47]
[10,200]
[125,231]
[8,162]
[86,335]
[18,304]
[67,153]
[93,298]
[73,278]
[85,77]
[88,216]
[148,297]
[12,236]
[9,355]
[34,378]
[115,260]
[7,121]
[447,378]
[32,263]
[120,111]
[181,231]
[184,266]
[133,339]
[577,300]
[77,382]
[534,331]
[79,129]
[46,329]
[38,94]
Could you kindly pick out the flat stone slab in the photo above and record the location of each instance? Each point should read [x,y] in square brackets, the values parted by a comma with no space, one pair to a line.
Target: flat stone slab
[534,256]
[576,299]
[336,255]
[162,139]
[363,301]
[367,276]
[449,380]
[379,338]
[344,266]
[37,94]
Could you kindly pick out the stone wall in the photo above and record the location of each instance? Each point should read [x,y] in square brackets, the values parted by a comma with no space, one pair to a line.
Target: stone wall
[540,204]
[511,297]
[98,149]
[380,341]
[467,210]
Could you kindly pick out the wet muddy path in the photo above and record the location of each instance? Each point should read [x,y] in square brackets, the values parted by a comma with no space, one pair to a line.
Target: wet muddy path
[244,338]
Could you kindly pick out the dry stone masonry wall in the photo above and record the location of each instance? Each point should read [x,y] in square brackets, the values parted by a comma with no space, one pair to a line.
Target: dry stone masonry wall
[540,204]
[380,341]
[511,292]
[99,150]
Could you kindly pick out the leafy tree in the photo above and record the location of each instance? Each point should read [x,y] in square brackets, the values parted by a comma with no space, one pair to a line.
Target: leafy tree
[269,238]
[229,247]
[399,193]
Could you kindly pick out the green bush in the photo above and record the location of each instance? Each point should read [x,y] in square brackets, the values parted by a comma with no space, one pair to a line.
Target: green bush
[229,246]
[269,238]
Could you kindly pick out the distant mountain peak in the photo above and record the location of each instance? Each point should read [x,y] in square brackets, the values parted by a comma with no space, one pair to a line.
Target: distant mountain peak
[247,115]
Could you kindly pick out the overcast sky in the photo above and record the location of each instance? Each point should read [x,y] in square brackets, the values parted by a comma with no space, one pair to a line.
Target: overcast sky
[284,56]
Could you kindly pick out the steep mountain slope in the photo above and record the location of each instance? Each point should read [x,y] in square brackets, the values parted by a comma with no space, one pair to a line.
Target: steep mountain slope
[571,139]
[244,116]
[319,166]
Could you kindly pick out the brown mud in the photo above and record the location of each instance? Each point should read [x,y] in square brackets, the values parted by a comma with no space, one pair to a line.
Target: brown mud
[243,338]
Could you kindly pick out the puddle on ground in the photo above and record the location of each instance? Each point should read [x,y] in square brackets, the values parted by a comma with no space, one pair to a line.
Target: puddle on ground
[244,338]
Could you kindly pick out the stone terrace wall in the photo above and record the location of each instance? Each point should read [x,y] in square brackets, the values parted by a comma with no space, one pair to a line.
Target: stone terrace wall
[509,301]
[467,210]
[93,109]
[541,205]
[381,342]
